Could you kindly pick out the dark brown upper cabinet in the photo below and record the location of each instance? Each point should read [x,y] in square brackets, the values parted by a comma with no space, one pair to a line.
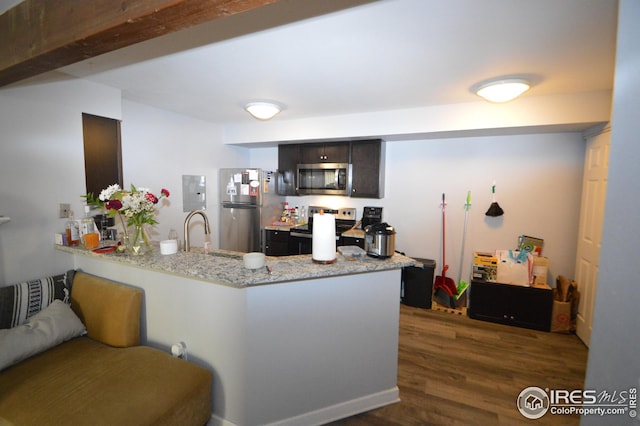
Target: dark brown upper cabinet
[367,169]
[330,152]
[288,159]
[365,156]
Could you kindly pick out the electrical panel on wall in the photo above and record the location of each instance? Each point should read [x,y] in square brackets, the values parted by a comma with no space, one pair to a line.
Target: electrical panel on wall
[194,190]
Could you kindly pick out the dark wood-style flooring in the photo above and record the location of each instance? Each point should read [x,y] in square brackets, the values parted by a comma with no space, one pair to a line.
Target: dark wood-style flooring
[453,370]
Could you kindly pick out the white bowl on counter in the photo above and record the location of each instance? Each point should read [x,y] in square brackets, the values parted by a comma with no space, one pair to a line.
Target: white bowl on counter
[254,260]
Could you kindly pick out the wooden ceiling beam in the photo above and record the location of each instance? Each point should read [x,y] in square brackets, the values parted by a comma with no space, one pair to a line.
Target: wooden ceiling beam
[37,36]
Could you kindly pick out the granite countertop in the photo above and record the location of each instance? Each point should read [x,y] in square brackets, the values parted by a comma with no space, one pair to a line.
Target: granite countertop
[280,226]
[226,267]
[355,233]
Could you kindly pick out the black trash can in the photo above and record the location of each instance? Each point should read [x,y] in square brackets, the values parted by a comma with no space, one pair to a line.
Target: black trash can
[417,283]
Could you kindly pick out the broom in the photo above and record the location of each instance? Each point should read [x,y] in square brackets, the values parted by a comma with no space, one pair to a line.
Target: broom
[494,209]
[444,287]
[462,284]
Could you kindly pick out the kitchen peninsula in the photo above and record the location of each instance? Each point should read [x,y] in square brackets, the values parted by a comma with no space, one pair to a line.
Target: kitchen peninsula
[304,344]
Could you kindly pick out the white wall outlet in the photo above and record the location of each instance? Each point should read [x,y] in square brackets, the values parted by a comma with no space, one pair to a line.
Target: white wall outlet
[179,350]
[63,211]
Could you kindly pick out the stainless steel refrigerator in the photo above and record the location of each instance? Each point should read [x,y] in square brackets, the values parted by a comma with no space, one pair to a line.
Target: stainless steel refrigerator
[249,201]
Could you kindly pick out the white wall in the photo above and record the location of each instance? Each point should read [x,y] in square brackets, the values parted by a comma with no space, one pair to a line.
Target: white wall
[159,147]
[42,165]
[613,356]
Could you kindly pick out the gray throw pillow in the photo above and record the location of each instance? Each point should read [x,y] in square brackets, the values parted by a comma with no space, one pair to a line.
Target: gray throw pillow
[54,325]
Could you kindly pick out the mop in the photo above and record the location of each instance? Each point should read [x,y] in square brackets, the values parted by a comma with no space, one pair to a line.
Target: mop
[463,284]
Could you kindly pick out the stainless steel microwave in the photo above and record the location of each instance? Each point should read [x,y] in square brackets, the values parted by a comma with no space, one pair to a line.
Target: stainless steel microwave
[324,179]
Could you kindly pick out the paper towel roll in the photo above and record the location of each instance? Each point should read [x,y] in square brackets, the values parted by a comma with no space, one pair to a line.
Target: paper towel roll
[323,244]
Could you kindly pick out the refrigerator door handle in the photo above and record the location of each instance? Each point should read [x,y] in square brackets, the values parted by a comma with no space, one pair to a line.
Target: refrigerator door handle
[229,205]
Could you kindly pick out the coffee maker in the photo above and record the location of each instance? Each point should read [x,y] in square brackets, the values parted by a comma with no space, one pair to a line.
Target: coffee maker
[371,216]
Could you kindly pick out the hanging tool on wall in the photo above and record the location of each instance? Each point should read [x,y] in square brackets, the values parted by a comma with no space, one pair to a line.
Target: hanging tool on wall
[494,209]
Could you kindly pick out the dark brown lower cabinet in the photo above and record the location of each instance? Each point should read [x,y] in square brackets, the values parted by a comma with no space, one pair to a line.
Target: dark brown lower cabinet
[276,242]
[527,307]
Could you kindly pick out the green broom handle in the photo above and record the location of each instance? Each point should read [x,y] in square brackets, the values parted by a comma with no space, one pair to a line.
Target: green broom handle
[464,234]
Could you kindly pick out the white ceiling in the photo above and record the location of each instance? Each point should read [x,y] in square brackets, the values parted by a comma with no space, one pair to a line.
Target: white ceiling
[374,56]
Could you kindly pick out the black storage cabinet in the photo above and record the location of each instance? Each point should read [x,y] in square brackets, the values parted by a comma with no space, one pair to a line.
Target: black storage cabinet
[417,283]
[520,306]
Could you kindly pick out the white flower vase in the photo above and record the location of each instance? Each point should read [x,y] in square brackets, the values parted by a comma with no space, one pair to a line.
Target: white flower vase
[138,242]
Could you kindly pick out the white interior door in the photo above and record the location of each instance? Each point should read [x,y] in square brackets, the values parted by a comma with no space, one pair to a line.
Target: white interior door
[594,188]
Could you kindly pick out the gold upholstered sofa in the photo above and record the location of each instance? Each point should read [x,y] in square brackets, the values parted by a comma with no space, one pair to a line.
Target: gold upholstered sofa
[93,370]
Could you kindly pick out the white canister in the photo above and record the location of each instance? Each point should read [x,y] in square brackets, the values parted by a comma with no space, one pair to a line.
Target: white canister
[168,246]
[323,243]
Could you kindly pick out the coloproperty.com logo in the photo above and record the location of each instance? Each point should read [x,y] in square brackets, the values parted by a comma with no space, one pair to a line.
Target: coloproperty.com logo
[534,402]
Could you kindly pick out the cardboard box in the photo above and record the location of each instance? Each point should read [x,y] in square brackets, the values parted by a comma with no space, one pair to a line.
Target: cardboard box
[485,266]
[484,259]
[532,245]
[561,317]
[540,269]
[486,273]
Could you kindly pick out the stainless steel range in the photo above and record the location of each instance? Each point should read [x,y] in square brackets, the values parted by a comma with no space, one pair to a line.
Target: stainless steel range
[300,236]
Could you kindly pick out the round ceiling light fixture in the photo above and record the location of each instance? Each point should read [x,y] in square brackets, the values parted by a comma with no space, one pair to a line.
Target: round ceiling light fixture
[262,110]
[502,89]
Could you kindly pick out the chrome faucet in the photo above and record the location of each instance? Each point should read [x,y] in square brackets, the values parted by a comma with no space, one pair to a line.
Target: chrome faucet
[207,229]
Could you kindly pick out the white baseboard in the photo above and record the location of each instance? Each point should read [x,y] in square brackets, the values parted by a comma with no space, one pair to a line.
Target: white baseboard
[219,421]
[343,409]
[331,413]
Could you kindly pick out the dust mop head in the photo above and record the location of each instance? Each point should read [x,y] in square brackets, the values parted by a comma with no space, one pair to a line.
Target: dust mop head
[494,210]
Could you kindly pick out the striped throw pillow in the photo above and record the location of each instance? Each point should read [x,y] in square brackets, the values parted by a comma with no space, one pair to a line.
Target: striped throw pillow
[21,301]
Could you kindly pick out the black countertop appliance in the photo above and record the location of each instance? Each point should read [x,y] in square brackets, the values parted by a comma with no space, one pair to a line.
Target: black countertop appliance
[371,216]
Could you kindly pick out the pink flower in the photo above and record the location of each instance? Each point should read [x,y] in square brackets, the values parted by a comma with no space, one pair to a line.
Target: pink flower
[164,192]
[113,205]
[151,198]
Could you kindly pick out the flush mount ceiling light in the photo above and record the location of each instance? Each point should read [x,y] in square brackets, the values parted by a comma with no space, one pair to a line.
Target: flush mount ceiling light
[501,90]
[262,110]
